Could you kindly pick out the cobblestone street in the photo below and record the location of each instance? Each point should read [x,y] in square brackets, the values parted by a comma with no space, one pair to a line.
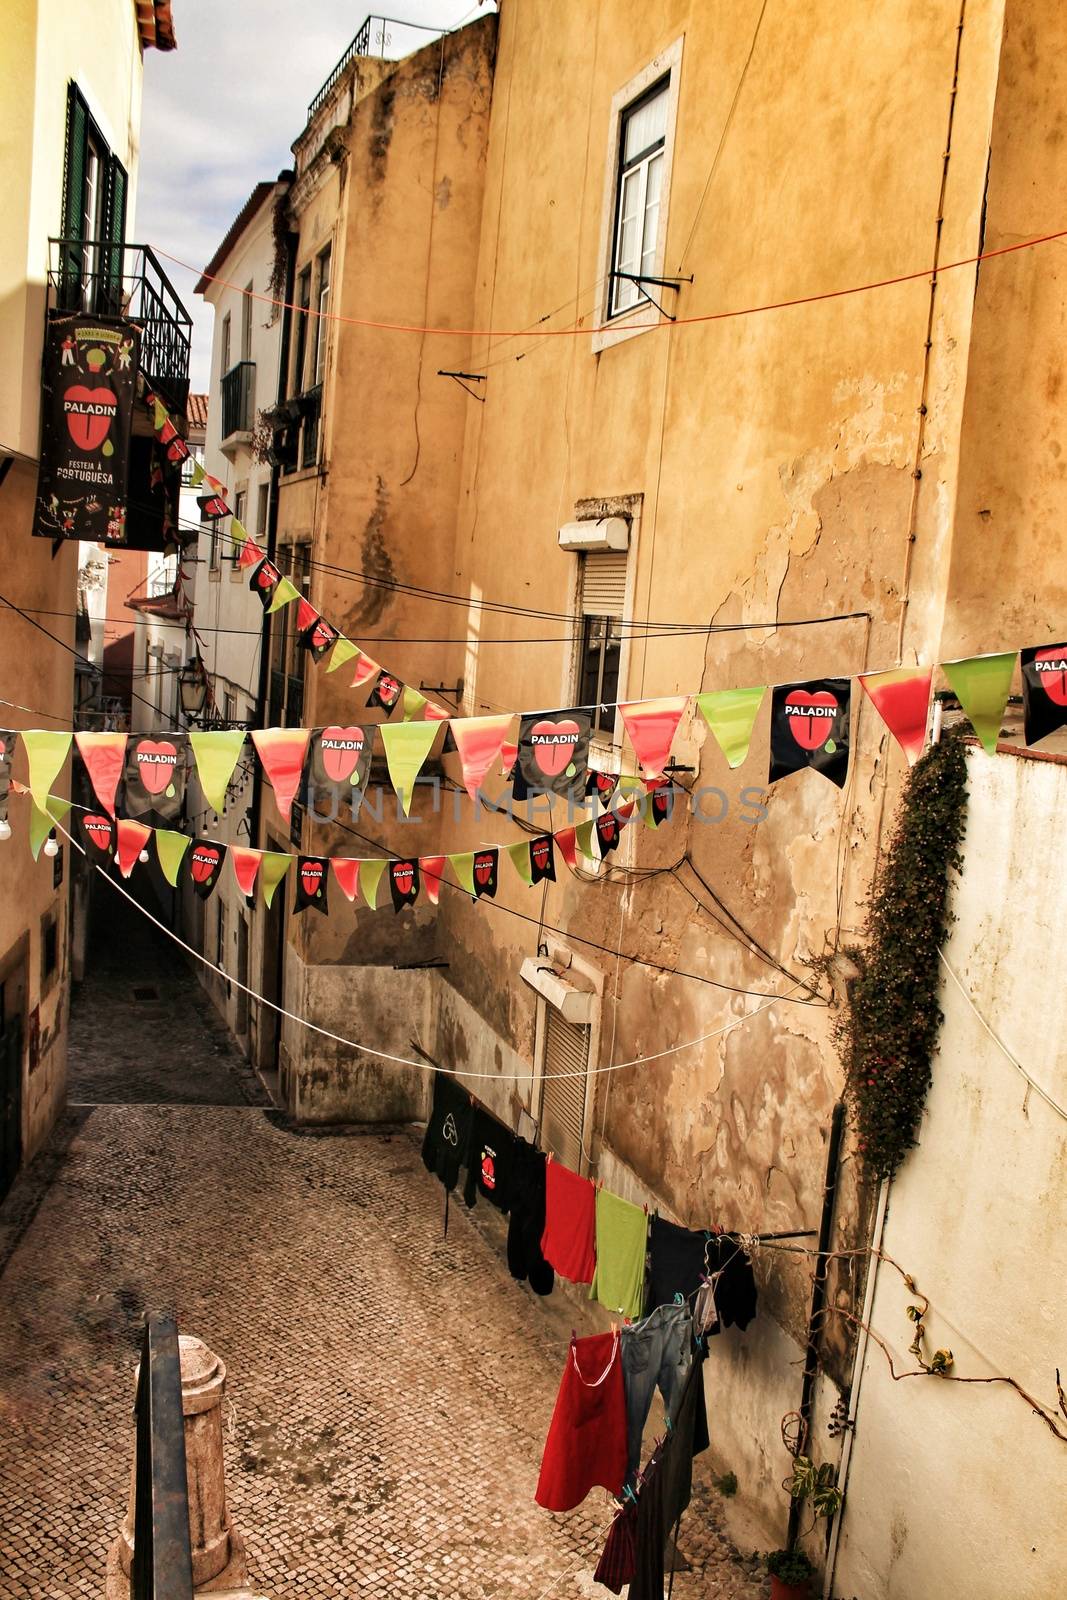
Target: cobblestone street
[389,1391]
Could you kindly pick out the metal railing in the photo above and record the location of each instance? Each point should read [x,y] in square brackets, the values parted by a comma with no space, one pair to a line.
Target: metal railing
[238,394]
[125,280]
[162,1555]
[385,37]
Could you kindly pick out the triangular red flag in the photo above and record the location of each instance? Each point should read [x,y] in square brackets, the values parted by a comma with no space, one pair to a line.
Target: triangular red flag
[902,699]
[246,864]
[132,838]
[104,755]
[652,725]
[346,871]
[306,615]
[251,555]
[282,752]
[479,741]
[567,846]
[433,868]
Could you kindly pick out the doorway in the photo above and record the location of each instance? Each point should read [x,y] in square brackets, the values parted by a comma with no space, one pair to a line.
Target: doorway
[12,1033]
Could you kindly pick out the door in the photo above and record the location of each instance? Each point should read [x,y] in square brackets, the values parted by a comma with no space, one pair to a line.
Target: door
[242,977]
[271,982]
[10,1101]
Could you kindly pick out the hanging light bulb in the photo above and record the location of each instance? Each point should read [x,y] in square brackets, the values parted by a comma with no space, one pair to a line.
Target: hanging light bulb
[143,858]
[5,828]
[51,845]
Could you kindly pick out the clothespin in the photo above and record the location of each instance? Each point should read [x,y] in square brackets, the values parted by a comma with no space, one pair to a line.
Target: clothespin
[679,1298]
[628,1493]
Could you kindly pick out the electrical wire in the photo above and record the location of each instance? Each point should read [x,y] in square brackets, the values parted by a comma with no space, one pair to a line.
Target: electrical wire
[407,1061]
[997,1040]
[695,320]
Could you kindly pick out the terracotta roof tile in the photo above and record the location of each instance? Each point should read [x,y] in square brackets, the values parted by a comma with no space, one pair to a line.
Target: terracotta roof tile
[196,411]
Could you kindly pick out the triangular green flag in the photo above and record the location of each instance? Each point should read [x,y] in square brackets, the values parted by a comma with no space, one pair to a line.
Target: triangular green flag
[196,473]
[981,685]
[45,753]
[463,867]
[41,823]
[343,651]
[217,753]
[170,852]
[520,860]
[370,876]
[284,595]
[272,870]
[406,747]
[238,531]
[583,838]
[731,715]
[159,412]
[413,703]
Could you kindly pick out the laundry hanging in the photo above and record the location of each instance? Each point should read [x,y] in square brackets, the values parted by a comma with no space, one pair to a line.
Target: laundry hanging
[526,1226]
[569,1239]
[586,1443]
[656,1353]
[621,1247]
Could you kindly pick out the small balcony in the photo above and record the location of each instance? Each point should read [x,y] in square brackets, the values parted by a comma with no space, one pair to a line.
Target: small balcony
[107,279]
[238,388]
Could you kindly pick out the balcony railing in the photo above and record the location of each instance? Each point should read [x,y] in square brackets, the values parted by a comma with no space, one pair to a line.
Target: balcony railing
[162,1554]
[125,280]
[387,37]
[238,398]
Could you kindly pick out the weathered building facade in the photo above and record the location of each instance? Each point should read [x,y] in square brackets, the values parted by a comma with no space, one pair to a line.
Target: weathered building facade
[844,454]
[69,133]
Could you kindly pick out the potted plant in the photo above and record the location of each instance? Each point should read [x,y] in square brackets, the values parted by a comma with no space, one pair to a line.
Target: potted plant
[791,1574]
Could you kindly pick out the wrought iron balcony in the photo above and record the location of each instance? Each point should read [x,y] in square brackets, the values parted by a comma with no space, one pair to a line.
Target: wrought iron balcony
[386,37]
[125,280]
[238,399]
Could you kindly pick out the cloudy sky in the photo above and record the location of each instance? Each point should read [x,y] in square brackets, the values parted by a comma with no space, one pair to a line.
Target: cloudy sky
[221,112]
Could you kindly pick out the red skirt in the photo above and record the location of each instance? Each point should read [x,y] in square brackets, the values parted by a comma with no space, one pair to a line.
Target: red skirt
[586,1444]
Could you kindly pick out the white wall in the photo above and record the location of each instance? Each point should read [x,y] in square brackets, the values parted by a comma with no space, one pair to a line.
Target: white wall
[958,1489]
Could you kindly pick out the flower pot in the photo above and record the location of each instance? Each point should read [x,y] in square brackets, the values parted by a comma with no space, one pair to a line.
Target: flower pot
[790,1591]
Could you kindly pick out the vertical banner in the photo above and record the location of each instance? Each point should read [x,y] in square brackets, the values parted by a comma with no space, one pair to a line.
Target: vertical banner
[810,728]
[386,692]
[155,775]
[553,753]
[1044,690]
[311,884]
[88,379]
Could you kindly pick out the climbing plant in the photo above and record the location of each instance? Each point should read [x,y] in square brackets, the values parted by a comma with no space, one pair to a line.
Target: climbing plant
[887,1032]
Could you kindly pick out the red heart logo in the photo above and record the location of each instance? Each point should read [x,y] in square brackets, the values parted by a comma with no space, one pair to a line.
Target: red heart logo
[553,744]
[267,576]
[99,831]
[205,858]
[1051,667]
[89,414]
[404,876]
[539,853]
[311,877]
[156,761]
[483,868]
[488,1170]
[811,717]
[322,635]
[388,689]
[608,829]
[341,749]
[605,782]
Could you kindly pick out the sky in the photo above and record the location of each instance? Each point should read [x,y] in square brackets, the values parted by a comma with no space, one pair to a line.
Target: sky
[221,112]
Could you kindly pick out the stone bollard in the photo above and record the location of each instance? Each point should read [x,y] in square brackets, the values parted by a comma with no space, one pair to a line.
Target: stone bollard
[219,1567]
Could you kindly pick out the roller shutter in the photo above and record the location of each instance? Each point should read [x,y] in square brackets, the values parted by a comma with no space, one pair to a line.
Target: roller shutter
[604,583]
[566,1065]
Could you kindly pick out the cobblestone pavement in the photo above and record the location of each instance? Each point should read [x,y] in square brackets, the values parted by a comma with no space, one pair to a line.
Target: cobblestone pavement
[389,1390]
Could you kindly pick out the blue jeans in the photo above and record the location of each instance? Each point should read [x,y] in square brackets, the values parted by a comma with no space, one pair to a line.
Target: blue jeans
[655,1355]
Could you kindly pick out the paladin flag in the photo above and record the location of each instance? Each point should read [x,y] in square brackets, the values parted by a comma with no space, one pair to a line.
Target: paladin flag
[386,692]
[264,580]
[553,753]
[205,865]
[1044,690]
[542,859]
[88,378]
[403,883]
[810,728]
[155,775]
[608,832]
[311,881]
[100,835]
[485,873]
[319,637]
[602,785]
[340,759]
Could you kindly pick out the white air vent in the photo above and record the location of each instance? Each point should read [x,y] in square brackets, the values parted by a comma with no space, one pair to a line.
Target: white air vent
[606,533]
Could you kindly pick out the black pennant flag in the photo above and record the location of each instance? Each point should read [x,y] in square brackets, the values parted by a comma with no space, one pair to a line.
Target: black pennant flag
[205,865]
[1044,690]
[311,884]
[404,883]
[485,873]
[810,728]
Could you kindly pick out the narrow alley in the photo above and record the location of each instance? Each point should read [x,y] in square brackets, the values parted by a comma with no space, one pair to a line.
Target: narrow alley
[389,1391]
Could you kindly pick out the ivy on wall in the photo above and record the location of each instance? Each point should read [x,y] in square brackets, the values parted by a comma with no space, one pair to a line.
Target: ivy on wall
[887,1033]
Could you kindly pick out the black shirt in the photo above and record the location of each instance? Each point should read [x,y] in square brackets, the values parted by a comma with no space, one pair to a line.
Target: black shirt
[680,1257]
[527,1224]
[447,1138]
[491,1161]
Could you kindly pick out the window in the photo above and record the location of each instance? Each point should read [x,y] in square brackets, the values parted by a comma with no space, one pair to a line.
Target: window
[287,659]
[320,321]
[49,950]
[642,140]
[224,346]
[602,601]
[94,215]
[564,1088]
[262,507]
[229,708]
[246,324]
[636,196]
[303,302]
[220,932]
[210,528]
[240,506]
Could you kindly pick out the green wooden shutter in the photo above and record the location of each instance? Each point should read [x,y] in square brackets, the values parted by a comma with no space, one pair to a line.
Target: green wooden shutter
[114,231]
[71,263]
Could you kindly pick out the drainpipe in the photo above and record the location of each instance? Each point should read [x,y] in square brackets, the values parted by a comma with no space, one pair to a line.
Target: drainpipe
[857,1379]
[263,690]
[818,1295]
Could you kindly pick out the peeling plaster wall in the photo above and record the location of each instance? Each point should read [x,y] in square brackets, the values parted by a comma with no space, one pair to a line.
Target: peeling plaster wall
[976,1217]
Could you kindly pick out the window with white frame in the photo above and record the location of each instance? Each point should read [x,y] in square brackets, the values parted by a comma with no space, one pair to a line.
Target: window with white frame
[638,192]
[323,309]
[564,1088]
[601,607]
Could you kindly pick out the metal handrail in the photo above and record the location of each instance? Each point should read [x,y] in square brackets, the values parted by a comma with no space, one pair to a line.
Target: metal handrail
[162,1555]
[361,46]
[237,388]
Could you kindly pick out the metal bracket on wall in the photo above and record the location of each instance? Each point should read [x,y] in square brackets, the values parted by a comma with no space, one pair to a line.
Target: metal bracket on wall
[471,377]
[661,283]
